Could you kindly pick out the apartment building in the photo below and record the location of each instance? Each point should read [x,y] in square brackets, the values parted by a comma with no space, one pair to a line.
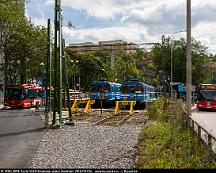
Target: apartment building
[117,47]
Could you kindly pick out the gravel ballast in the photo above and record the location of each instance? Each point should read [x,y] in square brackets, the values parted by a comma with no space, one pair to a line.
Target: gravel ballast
[87,146]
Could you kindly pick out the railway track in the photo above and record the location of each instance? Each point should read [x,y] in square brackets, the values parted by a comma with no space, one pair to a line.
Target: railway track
[109,118]
[116,120]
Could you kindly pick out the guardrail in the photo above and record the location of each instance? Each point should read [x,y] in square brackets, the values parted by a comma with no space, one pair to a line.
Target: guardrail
[203,135]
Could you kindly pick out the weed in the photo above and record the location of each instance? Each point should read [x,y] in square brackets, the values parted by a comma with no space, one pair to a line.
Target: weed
[166,144]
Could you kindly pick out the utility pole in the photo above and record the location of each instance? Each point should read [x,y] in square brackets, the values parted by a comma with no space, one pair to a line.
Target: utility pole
[57,65]
[60,61]
[171,77]
[188,64]
[48,76]
[163,40]
[67,83]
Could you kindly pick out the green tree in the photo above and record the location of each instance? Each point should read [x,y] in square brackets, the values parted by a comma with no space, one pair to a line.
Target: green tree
[162,61]
[23,44]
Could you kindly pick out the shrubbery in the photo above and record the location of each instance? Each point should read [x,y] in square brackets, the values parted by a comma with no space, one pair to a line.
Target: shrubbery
[166,143]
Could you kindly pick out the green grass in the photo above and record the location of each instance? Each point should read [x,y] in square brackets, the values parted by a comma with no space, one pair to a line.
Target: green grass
[166,144]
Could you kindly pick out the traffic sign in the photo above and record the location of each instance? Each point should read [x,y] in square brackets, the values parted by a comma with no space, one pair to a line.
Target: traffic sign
[101,95]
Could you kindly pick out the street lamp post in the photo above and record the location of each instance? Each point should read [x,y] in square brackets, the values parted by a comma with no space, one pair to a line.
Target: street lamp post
[43,86]
[171,62]
[74,76]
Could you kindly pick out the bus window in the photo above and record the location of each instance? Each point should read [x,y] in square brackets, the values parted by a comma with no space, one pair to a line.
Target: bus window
[208,95]
[39,93]
[13,93]
[24,94]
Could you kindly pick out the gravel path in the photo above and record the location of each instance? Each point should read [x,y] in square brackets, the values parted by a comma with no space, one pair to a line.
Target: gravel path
[88,146]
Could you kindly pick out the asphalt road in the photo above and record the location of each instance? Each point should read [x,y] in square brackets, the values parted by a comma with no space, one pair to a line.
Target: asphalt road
[206,119]
[20,134]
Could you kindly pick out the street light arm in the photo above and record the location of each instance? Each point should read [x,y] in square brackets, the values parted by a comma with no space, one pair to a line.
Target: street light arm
[177,33]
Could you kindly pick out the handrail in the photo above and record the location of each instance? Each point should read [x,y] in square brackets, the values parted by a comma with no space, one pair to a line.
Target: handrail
[210,138]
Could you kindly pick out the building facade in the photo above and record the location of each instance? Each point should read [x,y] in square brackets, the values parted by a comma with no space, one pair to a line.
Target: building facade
[117,47]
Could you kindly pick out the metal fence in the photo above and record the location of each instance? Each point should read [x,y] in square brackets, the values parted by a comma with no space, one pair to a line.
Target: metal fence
[205,136]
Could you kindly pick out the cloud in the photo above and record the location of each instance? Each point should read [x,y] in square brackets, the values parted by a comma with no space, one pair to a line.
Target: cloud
[111,33]
[39,21]
[103,8]
[137,20]
[205,32]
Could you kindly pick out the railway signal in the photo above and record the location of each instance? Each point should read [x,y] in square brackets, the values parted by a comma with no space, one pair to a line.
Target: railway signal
[101,97]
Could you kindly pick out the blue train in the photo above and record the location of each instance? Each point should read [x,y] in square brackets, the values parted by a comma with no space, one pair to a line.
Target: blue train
[133,90]
[108,90]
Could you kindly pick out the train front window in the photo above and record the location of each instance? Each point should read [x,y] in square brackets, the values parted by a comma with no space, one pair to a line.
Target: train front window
[208,95]
[139,89]
[132,89]
[106,88]
[124,89]
[93,88]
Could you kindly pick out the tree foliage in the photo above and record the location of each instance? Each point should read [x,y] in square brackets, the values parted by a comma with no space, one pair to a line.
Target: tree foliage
[23,45]
[97,65]
[162,61]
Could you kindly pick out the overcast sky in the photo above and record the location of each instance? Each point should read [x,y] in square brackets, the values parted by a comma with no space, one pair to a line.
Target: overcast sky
[139,21]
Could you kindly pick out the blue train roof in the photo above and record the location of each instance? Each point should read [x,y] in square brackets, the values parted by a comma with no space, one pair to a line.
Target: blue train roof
[101,82]
[133,82]
[136,82]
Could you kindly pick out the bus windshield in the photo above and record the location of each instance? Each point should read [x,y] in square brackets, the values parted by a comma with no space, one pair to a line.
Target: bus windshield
[32,93]
[16,93]
[39,93]
[208,95]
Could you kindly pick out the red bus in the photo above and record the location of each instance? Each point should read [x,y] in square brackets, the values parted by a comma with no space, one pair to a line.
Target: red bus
[22,96]
[206,96]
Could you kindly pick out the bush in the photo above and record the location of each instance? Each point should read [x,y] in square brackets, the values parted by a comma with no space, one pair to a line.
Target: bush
[166,144]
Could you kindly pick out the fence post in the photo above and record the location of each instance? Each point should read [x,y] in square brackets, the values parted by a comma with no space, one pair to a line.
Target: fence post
[209,141]
[199,131]
[192,125]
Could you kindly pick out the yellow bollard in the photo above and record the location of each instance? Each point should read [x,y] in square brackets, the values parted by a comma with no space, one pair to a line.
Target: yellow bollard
[117,108]
[124,103]
[88,106]
[131,107]
[74,108]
